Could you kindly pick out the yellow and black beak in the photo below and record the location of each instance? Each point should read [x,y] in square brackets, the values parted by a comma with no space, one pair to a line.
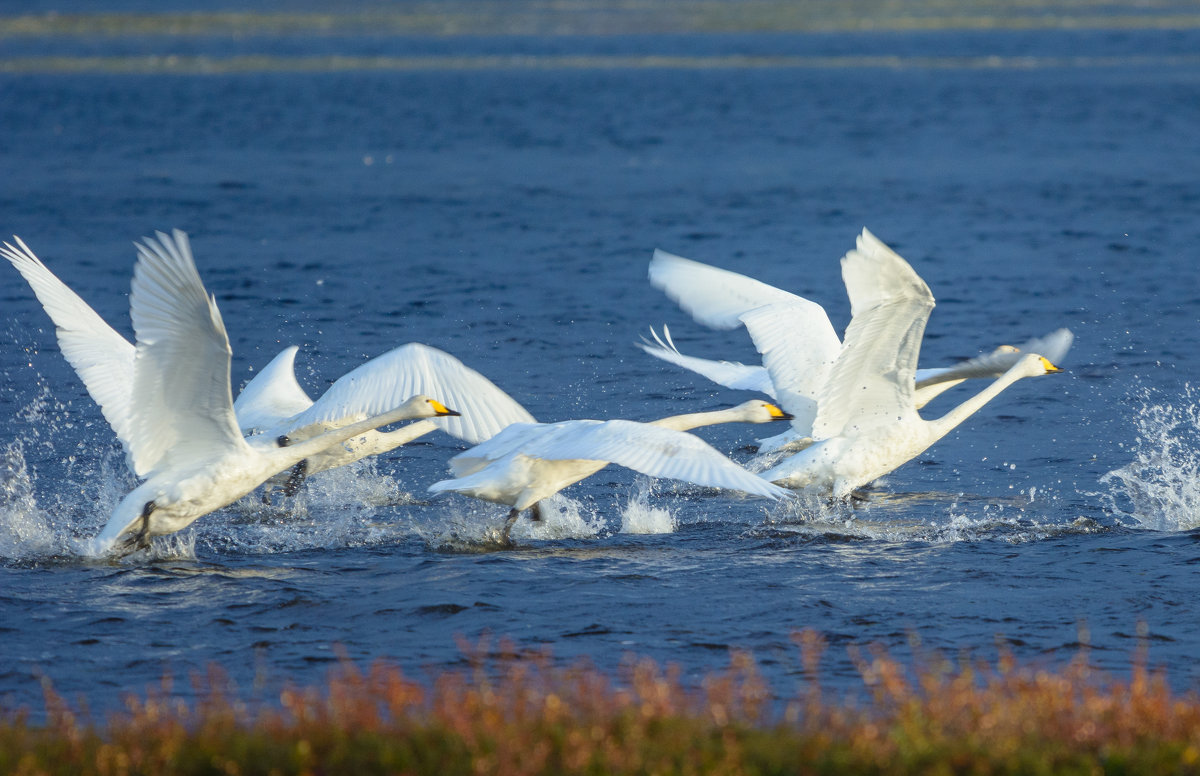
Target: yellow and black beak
[442,409]
[778,414]
[1049,367]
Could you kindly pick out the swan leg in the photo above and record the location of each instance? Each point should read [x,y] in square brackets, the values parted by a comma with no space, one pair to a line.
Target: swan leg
[535,512]
[505,535]
[141,540]
[295,478]
[859,496]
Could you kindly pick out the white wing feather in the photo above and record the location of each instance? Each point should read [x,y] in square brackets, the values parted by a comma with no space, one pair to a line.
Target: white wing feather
[799,348]
[181,368]
[872,382]
[389,380]
[273,395]
[931,383]
[1054,346]
[731,374]
[651,450]
[101,357]
[712,296]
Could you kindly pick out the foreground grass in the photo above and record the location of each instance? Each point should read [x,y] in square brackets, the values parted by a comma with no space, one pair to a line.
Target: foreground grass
[520,714]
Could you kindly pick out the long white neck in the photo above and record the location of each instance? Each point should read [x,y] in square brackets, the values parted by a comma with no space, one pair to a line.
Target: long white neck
[697,419]
[943,425]
[320,442]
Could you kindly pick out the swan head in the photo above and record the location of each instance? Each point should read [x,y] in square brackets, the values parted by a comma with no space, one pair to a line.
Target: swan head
[1034,365]
[759,411]
[424,407]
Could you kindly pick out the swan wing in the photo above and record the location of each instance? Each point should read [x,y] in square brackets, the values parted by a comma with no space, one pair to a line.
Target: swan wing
[273,395]
[183,408]
[389,380]
[1054,346]
[731,374]
[712,296]
[101,357]
[511,439]
[651,450]
[872,382]
[798,347]
[931,383]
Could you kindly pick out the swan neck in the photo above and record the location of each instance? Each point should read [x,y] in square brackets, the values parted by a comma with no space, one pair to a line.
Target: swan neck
[324,440]
[697,419]
[943,425]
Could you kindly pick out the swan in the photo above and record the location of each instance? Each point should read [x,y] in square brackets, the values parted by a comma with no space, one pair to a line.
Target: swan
[797,342]
[273,403]
[867,423]
[181,434]
[528,462]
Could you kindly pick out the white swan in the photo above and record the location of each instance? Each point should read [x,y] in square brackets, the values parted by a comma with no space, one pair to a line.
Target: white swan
[867,423]
[181,434]
[797,342]
[528,462]
[381,382]
[273,403]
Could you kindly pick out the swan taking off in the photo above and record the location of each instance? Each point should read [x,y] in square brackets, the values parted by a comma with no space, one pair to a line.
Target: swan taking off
[273,403]
[177,420]
[276,406]
[528,462]
[866,423]
[797,341]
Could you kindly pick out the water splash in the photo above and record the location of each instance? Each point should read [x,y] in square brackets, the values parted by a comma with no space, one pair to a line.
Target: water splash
[927,517]
[1160,488]
[335,508]
[469,525]
[639,517]
[25,530]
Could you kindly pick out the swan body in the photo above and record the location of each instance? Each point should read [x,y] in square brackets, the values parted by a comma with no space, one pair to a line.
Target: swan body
[174,412]
[528,462]
[172,499]
[183,433]
[867,422]
[273,403]
[798,343]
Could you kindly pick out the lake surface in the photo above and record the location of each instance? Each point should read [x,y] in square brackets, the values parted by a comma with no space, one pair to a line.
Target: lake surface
[496,189]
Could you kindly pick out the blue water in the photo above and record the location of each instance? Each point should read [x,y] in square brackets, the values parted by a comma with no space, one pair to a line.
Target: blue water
[506,213]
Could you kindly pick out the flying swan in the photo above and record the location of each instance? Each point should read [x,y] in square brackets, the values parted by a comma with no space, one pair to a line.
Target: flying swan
[179,428]
[528,462]
[866,420]
[797,341]
[273,404]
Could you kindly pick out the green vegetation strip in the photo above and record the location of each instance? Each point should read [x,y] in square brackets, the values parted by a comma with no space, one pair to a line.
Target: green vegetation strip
[518,713]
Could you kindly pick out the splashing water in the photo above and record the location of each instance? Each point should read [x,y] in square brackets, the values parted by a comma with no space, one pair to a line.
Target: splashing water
[474,525]
[638,517]
[25,530]
[1160,488]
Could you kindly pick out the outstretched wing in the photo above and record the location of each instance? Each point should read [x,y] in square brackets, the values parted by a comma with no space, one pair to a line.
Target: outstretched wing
[933,382]
[712,296]
[273,395]
[101,357]
[872,382]
[387,381]
[799,348]
[183,409]
[651,450]
[731,374]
